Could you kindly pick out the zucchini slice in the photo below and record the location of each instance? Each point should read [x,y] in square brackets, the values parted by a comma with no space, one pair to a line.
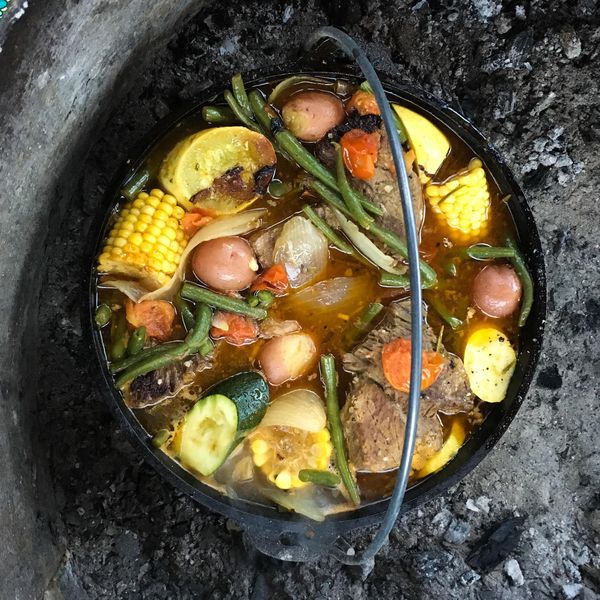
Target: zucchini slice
[208,434]
[250,393]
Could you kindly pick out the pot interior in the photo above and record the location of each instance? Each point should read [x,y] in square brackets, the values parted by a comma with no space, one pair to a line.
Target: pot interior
[266,518]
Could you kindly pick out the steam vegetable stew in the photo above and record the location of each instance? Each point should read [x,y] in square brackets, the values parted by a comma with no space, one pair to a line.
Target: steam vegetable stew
[253,295]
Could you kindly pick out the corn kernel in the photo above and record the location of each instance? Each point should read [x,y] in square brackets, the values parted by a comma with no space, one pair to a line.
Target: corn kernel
[260,459]
[146,247]
[172,223]
[160,215]
[283,480]
[157,193]
[259,446]
[147,210]
[120,242]
[149,237]
[166,208]
[322,435]
[169,233]
[178,212]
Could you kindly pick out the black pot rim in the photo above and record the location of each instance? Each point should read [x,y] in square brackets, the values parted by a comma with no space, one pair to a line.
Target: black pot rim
[264,518]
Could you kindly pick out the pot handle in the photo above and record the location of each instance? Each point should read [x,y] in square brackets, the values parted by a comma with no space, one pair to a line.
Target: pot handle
[295,541]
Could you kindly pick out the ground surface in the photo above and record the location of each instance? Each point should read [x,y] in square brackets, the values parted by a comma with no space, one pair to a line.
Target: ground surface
[526,74]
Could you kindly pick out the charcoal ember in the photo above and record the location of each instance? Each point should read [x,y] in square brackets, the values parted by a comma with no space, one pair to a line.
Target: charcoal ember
[496,545]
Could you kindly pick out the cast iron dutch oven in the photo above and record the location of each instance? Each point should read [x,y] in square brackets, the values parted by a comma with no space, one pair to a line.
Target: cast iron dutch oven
[284,534]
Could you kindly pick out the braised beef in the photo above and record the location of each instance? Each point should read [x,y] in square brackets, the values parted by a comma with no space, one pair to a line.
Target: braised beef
[383,189]
[156,386]
[375,413]
[374,429]
[263,244]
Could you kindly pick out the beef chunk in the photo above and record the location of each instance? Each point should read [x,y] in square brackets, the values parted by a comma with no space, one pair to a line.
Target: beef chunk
[374,430]
[263,244]
[156,386]
[383,190]
[449,394]
[324,149]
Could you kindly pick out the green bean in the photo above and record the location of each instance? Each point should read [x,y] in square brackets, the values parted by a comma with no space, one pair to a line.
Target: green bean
[218,114]
[278,189]
[160,437]
[265,298]
[173,354]
[449,267]
[135,184]
[480,252]
[322,478]
[195,293]
[136,341]
[185,312]
[443,311]
[389,238]
[329,377]
[146,353]
[199,333]
[520,267]
[103,315]
[239,92]
[363,322]
[352,201]
[206,347]
[238,111]
[367,316]
[253,300]
[327,231]
[400,128]
[118,336]
[258,106]
[392,280]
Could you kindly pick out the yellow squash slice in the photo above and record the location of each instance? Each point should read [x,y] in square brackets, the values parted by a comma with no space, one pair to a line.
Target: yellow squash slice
[218,169]
[431,146]
[447,452]
[490,362]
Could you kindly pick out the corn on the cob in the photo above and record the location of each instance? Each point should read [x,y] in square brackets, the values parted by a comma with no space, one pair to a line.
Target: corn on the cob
[462,203]
[146,240]
[282,452]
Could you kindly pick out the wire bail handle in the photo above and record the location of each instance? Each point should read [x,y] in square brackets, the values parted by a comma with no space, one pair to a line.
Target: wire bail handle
[351,48]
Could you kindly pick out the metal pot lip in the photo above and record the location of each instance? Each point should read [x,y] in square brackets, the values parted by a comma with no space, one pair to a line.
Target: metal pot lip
[481,441]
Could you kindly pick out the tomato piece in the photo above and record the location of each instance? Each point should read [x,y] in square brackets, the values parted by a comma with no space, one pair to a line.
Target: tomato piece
[364,103]
[360,150]
[157,316]
[195,219]
[274,279]
[395,359]
[234,329]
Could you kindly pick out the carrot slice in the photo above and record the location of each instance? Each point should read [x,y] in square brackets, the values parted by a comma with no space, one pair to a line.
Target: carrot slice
[395,359]
[363,103]
[360,150]
[194,220]
[274,279]
[234,329]
[157,316]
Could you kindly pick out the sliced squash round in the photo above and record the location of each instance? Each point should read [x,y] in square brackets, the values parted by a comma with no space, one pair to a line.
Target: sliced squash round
[431,146]
[221,170]
[490,362]
[447,452]
[208,434]
[250,393]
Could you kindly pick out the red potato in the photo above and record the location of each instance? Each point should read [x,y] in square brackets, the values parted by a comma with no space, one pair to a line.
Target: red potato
[287,357]
[497,291]
[227,264]
[310,115]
